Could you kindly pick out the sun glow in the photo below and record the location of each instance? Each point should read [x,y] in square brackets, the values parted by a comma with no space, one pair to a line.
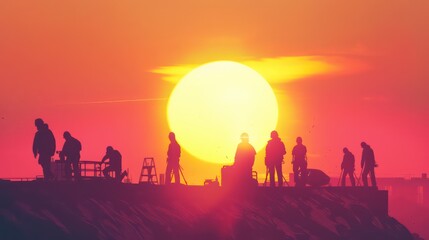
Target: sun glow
[214,103]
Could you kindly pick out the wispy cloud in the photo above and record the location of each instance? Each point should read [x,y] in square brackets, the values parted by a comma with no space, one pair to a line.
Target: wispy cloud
[120,101]
[280,69]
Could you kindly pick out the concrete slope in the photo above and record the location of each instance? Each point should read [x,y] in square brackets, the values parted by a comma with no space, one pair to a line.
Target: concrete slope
[104,210]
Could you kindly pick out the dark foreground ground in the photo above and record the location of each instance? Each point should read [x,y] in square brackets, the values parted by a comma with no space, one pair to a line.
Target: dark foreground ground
[103,210]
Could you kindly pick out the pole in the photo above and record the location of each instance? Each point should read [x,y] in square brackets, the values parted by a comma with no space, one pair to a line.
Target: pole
[341,176]
[183,176]
[284,180]
[357,184]
[266,176]
[360,175]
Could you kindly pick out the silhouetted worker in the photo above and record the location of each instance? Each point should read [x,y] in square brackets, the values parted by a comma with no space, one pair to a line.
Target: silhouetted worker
[115,163]
[299,162]
[244,158]
[348,167]
[368,164]
[274,153]
[173,158]
[44,146]
[71,154]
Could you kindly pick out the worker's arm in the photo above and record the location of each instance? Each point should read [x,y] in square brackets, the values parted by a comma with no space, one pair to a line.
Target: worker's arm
[104,158]
[177,151]
[35,145]
[236,155]
[293,155]
[373,156]
[283,149]
[54,143]
[266,151]
[284,152]
[305,155]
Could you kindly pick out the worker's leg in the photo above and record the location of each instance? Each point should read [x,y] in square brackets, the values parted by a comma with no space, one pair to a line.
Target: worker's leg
[168,174]
[304,173]
[279,174]
[271,172]
[365,176]
[373,181]
[118,172]
[343,178]
[76,170]
[176,173]
[296,174]
[106,172]
[67,169]
[352,178]
[45,162]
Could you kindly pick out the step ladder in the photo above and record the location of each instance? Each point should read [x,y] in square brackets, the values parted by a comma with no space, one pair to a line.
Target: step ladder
[148,172]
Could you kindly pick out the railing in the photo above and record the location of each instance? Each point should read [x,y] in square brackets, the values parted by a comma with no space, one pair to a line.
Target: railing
[19,179]
[88,169]
[91,169]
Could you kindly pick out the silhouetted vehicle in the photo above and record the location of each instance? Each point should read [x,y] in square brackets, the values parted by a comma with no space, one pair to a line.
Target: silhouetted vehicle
[71,155]
[115,164]
[299,162]
[317,178]
[274,152]
[211,182]
[244,159]
[348,167]
[368,164]
[173,158]
[44,145]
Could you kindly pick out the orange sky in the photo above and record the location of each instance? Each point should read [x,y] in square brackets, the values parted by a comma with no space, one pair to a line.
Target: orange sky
[62,60]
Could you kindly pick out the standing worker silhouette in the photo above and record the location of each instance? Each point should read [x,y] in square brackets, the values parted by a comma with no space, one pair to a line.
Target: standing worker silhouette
[348,167]
[115,163]
[368,164]
[173,158]
[274,153]
[244,159]
[44,146]
[299,162]
[71,154]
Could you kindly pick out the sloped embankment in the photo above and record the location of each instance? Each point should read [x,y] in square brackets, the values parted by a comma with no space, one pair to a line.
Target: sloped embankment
[102,210]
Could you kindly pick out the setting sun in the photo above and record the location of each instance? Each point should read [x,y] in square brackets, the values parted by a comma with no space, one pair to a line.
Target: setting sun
[214,103]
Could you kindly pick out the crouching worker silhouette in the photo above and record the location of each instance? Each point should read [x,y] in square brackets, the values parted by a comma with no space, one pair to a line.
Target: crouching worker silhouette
[244,160]
[274,153]
[115,164]
[71,154]
[173,158]
[348,167]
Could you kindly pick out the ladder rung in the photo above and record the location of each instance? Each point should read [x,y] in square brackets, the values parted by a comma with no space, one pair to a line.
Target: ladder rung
[148,175]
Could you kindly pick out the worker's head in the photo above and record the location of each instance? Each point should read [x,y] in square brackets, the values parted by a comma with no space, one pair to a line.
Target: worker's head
[109,149]
[172,136]
[244,137]
[299,140]
[39,123]
[345,150]
[66,135]
[363,144]
[274,134]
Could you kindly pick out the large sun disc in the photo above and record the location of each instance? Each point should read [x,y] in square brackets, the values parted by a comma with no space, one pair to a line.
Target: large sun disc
[214,103]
